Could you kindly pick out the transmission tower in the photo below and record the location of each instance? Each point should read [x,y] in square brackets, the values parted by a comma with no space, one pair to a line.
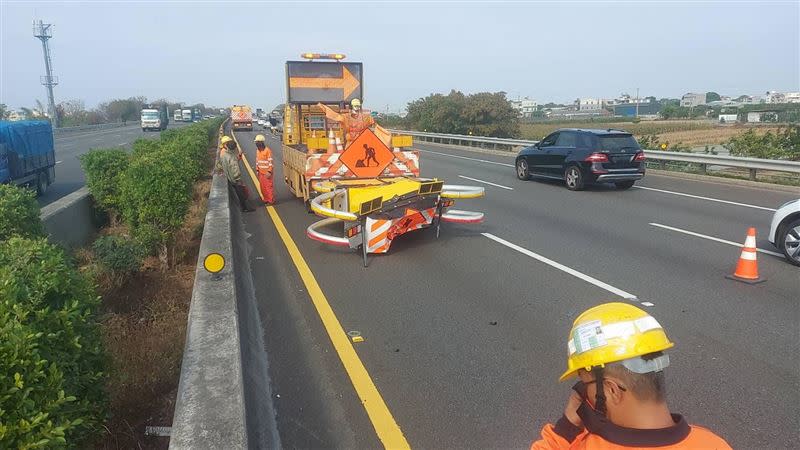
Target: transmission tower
[43,32]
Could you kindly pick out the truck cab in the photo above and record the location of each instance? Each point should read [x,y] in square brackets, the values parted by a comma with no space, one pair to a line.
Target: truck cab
[151,120]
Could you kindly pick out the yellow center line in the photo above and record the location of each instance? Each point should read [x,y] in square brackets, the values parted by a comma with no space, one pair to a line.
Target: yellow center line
[382,420]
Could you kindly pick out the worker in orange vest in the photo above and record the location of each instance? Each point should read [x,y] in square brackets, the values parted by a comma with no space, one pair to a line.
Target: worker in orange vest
[617,352]
[264,168]
[354,122]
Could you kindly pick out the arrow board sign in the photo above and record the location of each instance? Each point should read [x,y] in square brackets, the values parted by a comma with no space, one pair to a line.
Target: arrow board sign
[325,82]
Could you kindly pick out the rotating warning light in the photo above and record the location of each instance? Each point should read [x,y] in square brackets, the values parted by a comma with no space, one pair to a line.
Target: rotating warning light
[214,262]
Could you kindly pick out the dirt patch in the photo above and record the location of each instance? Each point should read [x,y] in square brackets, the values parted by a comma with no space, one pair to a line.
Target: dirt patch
[144,328]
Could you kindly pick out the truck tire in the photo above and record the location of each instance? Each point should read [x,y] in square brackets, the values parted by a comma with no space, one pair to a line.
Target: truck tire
[41,183]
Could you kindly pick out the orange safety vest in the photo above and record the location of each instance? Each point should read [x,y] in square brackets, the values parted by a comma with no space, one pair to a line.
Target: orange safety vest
[357,124]
[603,435]
[264,160]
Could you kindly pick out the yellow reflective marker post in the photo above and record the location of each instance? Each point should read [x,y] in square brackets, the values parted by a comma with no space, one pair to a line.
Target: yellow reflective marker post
[214,262]
[663,146]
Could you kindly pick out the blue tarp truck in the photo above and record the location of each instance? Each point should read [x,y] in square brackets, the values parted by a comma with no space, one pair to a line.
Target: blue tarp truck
[27,156]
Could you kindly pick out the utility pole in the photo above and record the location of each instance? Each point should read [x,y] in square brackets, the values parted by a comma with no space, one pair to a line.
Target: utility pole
[43,32]
[637,103]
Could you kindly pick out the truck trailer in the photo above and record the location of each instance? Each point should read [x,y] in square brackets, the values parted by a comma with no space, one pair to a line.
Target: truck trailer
[27,155]
[241,117]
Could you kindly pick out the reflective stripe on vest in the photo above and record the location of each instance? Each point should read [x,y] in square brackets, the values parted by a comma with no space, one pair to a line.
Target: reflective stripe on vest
[264,160]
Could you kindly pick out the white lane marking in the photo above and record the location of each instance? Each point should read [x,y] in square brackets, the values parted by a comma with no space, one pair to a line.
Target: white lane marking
[59,162]
[573,272]
[711,238]
[487,182]
[647,304]
[746,205]
[471,159]
[120,145]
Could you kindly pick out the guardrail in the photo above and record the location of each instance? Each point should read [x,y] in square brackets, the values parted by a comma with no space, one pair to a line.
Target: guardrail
[702,159]
[100,126]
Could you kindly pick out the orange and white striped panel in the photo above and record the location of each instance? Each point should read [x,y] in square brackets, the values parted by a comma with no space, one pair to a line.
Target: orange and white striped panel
[377,235]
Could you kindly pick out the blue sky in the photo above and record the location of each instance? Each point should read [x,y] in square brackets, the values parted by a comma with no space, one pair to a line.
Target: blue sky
[222,53]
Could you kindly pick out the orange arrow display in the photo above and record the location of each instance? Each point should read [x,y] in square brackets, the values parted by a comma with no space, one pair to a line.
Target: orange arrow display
[348,83]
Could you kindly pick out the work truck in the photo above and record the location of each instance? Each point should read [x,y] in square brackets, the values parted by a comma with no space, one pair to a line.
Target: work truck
[27,155]
[241,117]
[365,182]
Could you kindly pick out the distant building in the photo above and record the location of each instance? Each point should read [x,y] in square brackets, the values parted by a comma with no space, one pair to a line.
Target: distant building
[645,109]
[762,116]
[728,118]
[792,97]
[589,104]
[692,99]
[774,97]
[526,107]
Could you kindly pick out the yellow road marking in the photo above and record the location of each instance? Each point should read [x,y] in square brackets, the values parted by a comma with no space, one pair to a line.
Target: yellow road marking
[382,420]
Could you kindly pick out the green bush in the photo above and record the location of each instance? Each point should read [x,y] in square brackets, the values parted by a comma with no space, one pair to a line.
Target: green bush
[117,255]
[19,213]
[783,144]
[103,168]
[51,357]
[156,192]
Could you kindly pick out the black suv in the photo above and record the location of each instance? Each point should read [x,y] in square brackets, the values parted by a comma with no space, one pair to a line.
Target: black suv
[580,156]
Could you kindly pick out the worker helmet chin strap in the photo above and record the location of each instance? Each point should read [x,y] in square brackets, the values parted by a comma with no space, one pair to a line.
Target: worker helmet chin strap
[600,396]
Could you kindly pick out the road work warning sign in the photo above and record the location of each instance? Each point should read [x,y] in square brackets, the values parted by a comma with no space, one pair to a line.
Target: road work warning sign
[367,156]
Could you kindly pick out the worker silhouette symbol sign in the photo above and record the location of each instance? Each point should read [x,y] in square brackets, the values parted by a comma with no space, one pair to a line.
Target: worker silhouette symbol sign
[367,156]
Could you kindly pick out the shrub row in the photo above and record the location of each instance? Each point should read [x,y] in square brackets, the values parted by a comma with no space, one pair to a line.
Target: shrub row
[150,189]
[51,357]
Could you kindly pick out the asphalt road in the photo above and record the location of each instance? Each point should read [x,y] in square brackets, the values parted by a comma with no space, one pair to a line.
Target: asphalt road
[465,335]
[69,146]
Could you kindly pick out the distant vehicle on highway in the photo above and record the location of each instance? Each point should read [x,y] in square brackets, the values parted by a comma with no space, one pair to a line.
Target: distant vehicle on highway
[154,119]
[186,115]
[27,155]
[261,122]
[177,115]
[784,231]
[584,156]
[241,117]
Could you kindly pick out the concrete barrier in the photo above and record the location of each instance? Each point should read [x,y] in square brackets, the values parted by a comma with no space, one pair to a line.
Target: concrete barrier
[102,126]
[224,398]
[72,220]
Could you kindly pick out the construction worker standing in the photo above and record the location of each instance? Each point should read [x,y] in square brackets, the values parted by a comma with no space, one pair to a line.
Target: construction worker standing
[617,352]
[228,163]
[264,168]
[354,122]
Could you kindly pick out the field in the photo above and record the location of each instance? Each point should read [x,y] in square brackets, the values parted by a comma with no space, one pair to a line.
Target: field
[693,133]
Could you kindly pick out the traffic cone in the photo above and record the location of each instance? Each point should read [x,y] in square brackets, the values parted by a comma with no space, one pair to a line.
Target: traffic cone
[331,143]
[339,147]
[747,268]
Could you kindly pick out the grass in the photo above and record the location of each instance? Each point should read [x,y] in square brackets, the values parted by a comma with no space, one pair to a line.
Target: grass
[693,133]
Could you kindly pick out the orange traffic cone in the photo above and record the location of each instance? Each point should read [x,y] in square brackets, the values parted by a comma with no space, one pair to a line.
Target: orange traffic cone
[331,143]
[747,268]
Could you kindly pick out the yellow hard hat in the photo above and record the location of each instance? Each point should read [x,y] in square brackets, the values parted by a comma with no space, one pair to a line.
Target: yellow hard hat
[225,140]
[355,102]
[615,332]
[260,138]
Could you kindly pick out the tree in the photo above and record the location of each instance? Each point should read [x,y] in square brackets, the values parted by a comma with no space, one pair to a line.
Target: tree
[485,113]
[712,97]
[4,112]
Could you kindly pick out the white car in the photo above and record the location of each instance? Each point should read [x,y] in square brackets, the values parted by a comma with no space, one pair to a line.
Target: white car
[261,122]
[784,231]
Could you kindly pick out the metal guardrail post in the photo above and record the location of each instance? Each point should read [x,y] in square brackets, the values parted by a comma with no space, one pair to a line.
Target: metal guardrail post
[753,174]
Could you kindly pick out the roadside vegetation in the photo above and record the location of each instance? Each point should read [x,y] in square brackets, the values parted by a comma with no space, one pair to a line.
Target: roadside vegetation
[143,264]
[481,114]
[75,113]
[51,351]
[92,342]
